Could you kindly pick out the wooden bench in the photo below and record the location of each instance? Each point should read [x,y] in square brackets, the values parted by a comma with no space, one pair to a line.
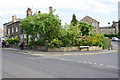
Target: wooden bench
[81,47]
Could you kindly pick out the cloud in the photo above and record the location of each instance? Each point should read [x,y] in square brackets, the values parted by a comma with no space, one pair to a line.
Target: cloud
[19,7]
[91,5]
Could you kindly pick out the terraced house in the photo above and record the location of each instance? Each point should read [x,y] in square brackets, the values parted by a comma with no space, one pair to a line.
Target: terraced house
[12,28]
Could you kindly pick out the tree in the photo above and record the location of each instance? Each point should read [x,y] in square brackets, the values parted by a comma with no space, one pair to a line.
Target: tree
[26,26]
[85,28]
[74,21]
[46,24]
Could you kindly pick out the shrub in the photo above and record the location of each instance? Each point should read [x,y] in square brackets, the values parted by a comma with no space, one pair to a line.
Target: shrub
[16,40]
[106,43]
[13,41]
[55,43]
[111,35]
[39,42]
[93,40]
[10,41]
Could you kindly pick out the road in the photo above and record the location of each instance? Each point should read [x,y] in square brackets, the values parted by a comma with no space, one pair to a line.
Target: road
[16,65]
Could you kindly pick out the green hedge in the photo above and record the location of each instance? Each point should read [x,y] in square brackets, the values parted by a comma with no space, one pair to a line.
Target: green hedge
[39,42]
[111,35]
[13,41]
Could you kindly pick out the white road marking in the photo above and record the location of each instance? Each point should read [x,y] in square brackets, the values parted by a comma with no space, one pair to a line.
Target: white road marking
[84,62]
[101,64]
[90,62]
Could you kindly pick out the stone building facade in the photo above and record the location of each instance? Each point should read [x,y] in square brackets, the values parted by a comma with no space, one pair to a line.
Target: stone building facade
[93,22]
[12,28]
[113,29]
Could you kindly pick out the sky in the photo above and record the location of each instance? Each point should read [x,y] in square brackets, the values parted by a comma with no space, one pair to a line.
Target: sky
[103,11]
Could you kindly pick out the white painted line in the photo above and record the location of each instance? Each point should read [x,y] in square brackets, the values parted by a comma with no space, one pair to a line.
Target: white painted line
[108,65]
[101,64]
[90,62]
[95,63]
[84,62]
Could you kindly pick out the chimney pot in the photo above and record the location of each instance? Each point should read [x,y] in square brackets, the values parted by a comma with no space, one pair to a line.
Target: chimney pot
[14,18]
[39,11]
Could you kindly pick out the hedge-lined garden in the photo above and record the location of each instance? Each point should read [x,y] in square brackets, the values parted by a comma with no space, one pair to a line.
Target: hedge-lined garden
[50,28]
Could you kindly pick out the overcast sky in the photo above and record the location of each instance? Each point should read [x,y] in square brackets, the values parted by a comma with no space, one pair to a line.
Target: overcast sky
[103,11]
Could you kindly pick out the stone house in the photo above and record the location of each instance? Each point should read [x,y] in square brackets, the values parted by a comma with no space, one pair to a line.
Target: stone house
[12,28]
[93,22]
[113,29]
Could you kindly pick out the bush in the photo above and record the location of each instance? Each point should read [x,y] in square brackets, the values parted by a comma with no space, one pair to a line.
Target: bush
[10,41]
[111,35]
[93,40]
[16,40]
[106,43]
[55,43]
[13,41]
[39,42]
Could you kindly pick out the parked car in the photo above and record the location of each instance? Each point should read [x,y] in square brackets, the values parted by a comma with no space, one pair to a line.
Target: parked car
[115,39]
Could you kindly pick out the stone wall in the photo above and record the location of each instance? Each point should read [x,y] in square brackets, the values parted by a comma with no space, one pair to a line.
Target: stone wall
[65,49]
[61,49]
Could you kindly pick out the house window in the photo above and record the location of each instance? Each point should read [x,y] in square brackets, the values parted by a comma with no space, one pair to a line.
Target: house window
[12,30]
[16,29]
[9,31]
[93,24]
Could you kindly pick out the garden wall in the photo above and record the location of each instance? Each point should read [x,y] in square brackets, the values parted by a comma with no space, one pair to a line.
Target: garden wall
[65,49]
[61,49]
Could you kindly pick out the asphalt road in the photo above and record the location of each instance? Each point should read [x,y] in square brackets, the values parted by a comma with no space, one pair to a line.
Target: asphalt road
[16,65]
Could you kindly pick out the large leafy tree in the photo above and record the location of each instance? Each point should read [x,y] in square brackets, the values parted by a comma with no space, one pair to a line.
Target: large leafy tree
[74,21]
[26,26]
[85,28]
[47,25]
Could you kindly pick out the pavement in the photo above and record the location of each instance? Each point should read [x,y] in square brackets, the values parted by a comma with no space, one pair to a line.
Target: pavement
[40,53]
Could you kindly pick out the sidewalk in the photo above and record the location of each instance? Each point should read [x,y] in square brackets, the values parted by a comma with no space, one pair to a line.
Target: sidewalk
[33,52]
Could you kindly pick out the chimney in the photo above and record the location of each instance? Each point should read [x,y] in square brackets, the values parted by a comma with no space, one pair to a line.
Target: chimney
[50,9]
[39,11]
[14,18]
[29,12]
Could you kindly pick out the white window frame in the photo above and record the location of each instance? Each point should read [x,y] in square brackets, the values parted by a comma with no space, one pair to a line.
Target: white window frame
[12,29]
[93,24]
[16,28]
[8,30]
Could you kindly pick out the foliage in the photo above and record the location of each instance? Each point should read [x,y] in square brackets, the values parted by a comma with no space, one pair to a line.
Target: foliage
[111,35]
[74,21]
[85,28]
[48,25]
[13,41]
[106,43]
[39,42]
[10,41]
[91,40]
[16,40]
[55,43]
